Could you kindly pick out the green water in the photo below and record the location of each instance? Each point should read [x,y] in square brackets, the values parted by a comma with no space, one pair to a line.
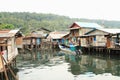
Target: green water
[58,65]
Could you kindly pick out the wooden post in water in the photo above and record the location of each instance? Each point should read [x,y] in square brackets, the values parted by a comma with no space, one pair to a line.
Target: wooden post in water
[2,76]
[35,43]
[31,43]
[4,68]
[9,69]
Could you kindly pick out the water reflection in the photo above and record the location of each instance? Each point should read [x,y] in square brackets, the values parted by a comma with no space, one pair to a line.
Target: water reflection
[88,63]
[37,58]
[74,63]
[91,65]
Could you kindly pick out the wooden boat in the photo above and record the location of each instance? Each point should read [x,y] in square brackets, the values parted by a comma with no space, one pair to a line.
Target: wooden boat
[68,50]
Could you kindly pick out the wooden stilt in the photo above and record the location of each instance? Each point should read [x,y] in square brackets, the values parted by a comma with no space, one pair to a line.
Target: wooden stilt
[10,69]
[2,76]
[4,68]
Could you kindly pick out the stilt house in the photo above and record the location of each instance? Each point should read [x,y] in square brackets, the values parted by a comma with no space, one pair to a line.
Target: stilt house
[101,38]
[79,29]
[57,36]
[36,37]
[10,41]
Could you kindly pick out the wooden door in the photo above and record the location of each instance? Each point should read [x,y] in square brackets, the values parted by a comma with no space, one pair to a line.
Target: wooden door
[108,43]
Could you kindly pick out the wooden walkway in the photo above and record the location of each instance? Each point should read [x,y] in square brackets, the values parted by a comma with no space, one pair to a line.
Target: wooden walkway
[102,50]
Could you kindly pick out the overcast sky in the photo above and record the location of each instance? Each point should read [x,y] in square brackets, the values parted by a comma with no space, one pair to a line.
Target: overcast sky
[91,9]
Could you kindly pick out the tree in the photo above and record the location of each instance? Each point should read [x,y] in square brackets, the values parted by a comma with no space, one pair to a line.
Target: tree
[6,26]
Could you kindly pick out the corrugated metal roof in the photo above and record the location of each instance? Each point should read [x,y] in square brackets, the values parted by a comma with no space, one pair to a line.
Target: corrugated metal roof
[57,35]
[37,35]
[8,33]
[113,31]
[14,31]
[89,25]
[3,35]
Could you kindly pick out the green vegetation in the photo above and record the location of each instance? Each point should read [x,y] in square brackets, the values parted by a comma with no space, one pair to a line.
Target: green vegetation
[33,21]
[6,26]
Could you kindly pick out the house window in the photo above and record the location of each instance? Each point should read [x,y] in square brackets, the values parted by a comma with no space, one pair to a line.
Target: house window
[94,38]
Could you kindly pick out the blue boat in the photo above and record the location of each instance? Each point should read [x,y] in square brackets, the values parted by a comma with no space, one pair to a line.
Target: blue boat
[70,50]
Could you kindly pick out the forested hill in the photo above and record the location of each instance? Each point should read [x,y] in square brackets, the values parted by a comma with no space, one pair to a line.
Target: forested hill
[33,21]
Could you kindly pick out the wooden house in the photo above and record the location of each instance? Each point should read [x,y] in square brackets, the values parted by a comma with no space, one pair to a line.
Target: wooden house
[36,37]
[33,40]
[79,29]
[100,38]
[56,36]
[116,37]
[10,41]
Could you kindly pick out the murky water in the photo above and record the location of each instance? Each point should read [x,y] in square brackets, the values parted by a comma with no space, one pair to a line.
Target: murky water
[58,65]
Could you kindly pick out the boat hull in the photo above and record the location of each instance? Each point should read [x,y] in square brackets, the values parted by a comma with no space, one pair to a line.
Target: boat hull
[63,48]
